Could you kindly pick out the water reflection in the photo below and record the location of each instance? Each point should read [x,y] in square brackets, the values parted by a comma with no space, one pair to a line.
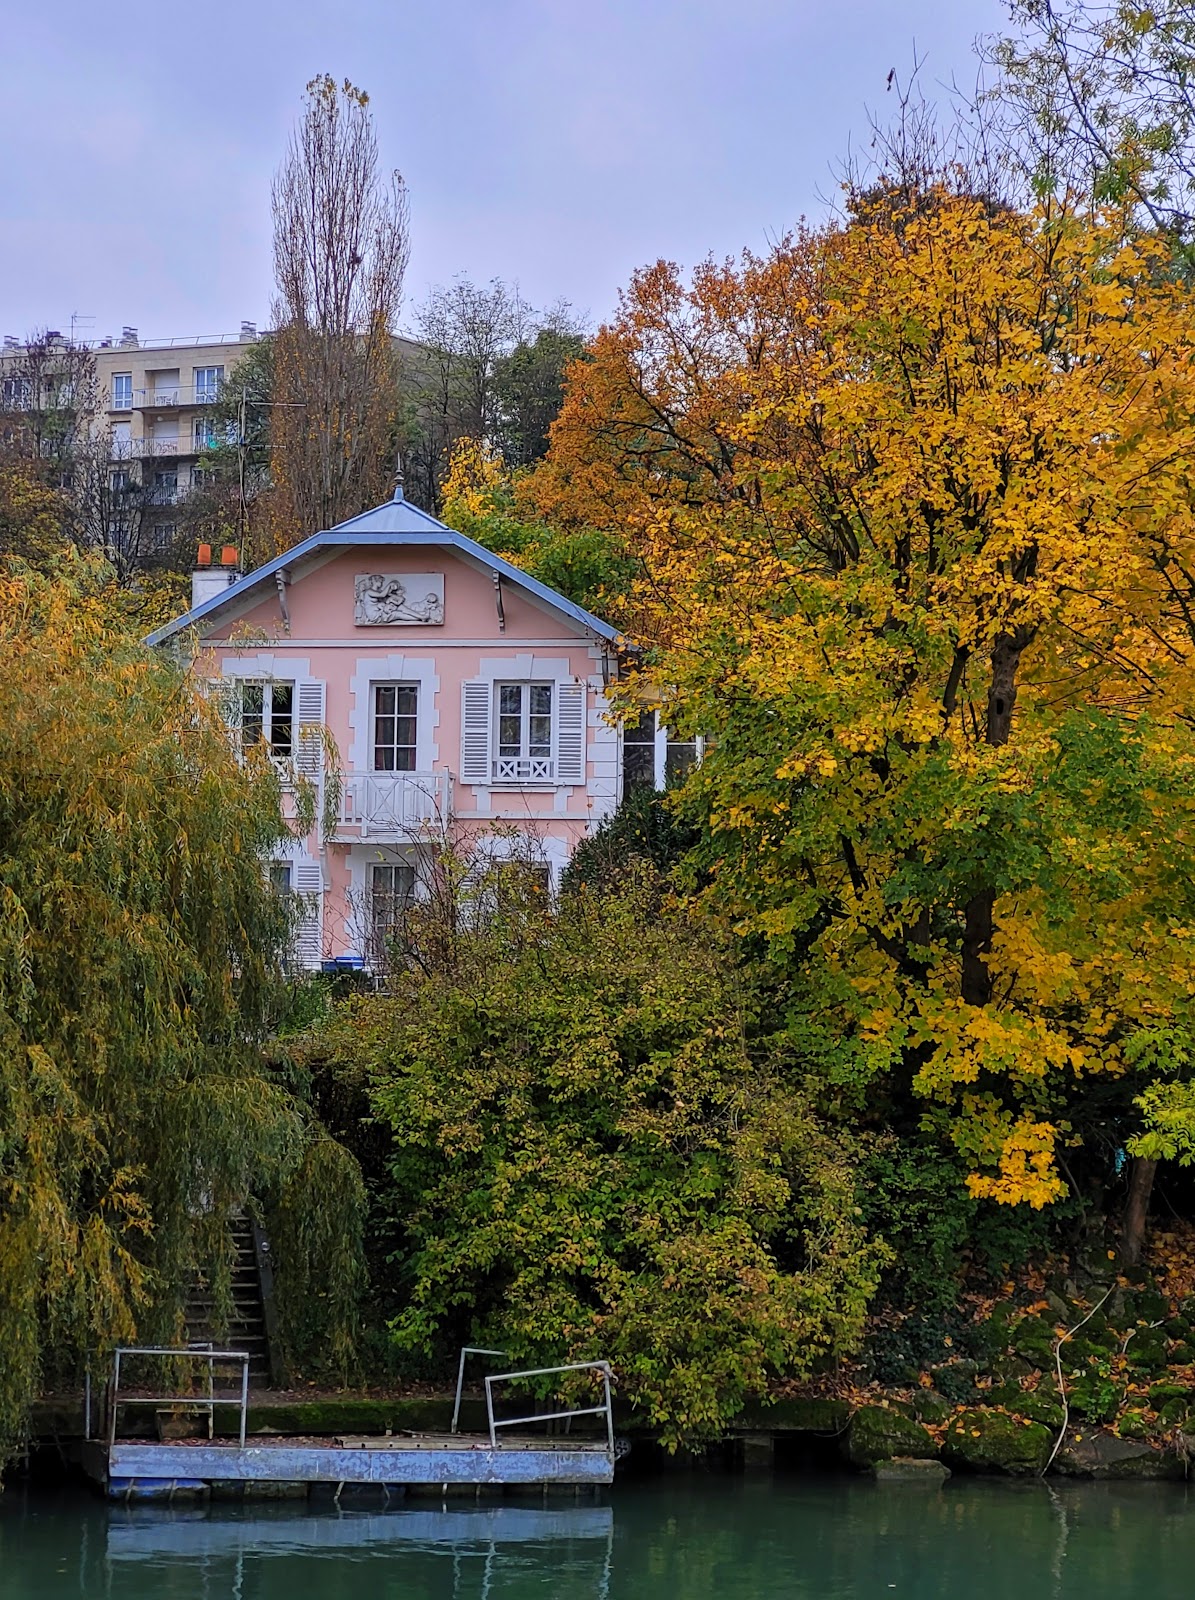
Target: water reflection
[681,1539]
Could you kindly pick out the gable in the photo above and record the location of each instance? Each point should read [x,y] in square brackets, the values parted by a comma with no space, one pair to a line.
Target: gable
[387,532]
[379,593]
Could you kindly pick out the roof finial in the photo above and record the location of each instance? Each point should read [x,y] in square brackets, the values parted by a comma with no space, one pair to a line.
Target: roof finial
[398,494]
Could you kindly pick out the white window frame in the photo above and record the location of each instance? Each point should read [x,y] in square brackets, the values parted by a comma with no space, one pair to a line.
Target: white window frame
[523,766]
[208,383]
[379,933]
[267,687]
[663,742]
[414,746]
[122,391]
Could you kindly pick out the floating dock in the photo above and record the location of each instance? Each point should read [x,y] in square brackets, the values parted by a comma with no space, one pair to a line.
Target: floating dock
[141,1469]
[159,1469]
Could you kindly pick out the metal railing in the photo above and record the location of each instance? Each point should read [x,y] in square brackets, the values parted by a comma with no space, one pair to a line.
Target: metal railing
[175,394]
[207,1403]
[467,1351]
[604,1410]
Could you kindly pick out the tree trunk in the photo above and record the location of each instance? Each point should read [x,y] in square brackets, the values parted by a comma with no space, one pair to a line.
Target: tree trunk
[976,981]
[1136,1210]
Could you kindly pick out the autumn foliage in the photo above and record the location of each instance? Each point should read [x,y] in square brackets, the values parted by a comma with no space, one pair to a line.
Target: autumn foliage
[912,498]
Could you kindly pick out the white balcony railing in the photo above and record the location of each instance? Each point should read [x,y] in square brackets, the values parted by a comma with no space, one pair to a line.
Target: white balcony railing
[396,805]
[524,769]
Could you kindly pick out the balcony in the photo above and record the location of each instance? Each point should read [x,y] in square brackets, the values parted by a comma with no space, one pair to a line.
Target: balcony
[170,396]
[394,807]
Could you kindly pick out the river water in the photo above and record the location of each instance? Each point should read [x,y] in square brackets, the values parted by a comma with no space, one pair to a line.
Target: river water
[676,1538]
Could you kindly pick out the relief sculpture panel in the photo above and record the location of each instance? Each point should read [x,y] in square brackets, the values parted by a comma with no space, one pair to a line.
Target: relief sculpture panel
[389,599]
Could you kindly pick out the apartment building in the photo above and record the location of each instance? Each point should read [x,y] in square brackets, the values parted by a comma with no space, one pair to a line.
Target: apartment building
[153,398]
[157,396]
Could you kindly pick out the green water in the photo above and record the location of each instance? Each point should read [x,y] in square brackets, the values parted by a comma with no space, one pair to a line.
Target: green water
[685,1539]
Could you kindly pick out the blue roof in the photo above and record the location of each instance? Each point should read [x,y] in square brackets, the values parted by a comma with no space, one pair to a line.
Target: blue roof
[397,522]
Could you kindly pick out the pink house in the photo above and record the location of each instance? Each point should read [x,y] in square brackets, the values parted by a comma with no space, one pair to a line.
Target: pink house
[434,694]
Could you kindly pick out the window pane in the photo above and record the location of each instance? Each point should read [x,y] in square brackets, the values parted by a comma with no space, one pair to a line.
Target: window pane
[282,718]
[394,727]
[280,877]
[252,703]
[541,736]
[541,699]
[390,887]
[639,763]
[681,755]
[510,719]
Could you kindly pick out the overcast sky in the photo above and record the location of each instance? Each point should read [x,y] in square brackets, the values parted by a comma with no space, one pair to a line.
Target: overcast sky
[559,143]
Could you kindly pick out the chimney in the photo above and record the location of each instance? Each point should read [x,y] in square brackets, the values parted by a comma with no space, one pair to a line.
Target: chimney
[208,580]
[128,338]
[248,332]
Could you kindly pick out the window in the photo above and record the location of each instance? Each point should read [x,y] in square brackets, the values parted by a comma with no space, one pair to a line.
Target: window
[395,716]
[639,751]
[16,394]
[267,713]
[122,391]
[120,480]
[162,538]
[165,488]
[391,884]
[205,433]
[650,754]
[207,384]
[522,883]
[680,756]
[524,732]
[280,879]
[122,440]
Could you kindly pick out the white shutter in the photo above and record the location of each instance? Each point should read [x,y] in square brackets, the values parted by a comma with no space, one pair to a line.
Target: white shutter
[570,732]
[476,717]
[309,928]
[309,757]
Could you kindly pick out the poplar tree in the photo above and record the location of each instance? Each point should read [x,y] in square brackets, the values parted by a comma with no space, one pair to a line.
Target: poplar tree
[340,253]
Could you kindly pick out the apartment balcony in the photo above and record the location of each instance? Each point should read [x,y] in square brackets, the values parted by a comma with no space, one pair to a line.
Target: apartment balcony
[171,396]
[394,807]
[152,449]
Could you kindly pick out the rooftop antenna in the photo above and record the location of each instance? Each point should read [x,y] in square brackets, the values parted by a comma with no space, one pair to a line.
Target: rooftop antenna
[79,319]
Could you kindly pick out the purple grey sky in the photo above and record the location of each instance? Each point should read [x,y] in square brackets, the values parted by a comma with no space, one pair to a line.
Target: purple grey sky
[559,143]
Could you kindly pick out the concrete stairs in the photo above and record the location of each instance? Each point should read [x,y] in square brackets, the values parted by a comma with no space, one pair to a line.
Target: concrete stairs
[246,1329]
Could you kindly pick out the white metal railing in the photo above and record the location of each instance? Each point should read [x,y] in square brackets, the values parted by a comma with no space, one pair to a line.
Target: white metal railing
[467,1351]
[524,769]
[389,804]
[604,1410]
[208,1402]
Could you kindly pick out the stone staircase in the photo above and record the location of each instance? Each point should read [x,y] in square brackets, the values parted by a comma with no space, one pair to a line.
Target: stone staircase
[246,1329]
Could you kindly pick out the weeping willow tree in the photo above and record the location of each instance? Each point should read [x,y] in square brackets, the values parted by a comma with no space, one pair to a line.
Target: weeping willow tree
[140,960]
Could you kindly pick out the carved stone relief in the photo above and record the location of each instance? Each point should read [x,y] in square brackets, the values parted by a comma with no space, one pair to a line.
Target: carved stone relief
[407,599]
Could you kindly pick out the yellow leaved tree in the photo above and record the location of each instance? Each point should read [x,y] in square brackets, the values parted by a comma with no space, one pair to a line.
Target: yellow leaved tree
[140,967]
[913,499]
